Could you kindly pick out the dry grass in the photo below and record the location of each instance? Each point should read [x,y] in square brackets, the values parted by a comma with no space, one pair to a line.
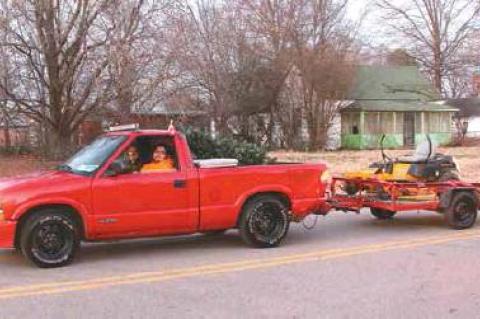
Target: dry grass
[341,161]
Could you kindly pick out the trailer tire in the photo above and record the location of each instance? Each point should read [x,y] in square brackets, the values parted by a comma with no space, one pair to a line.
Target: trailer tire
[264,221]
[50,239]
[382,213]
[461,213]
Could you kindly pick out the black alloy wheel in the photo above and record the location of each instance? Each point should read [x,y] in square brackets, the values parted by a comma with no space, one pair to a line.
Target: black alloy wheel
[50,239]
[264,221]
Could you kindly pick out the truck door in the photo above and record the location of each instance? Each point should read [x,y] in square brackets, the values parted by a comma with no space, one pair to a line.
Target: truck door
[145,202]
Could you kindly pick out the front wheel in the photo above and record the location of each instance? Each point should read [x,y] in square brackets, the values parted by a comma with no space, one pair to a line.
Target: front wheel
[382,213]
[50,239]
[462,211]
[264,221]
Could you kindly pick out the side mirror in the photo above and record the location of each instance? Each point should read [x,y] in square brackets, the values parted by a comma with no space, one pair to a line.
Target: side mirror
[116,168]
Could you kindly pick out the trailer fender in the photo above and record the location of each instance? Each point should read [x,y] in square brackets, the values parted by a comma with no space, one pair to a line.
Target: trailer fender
[446,197]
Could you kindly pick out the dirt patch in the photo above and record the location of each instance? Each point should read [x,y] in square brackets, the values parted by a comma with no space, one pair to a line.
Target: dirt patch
[339,162]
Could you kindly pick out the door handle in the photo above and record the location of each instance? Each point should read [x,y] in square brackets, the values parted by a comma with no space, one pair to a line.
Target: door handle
[179,183]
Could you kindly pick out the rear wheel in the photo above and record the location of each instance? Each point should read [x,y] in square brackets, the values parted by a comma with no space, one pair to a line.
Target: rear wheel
[382,213]
[264,221]
[50,239]
[462,211]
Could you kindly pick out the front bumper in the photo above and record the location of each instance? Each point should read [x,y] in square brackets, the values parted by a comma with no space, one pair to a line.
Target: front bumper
[7,233]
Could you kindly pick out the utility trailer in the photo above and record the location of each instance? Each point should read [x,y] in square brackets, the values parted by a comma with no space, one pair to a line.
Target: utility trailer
[458,201]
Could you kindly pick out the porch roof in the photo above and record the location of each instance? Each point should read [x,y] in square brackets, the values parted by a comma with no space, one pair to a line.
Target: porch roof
[397,106]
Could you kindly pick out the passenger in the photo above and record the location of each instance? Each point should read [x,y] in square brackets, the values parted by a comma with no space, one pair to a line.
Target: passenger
[133,159]
[160,160]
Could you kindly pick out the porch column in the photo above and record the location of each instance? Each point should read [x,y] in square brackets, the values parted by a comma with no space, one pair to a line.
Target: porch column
[362,123]
[394,123]
[422,116]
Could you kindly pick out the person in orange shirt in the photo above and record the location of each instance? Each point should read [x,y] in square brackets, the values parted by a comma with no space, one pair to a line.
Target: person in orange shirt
[160,160]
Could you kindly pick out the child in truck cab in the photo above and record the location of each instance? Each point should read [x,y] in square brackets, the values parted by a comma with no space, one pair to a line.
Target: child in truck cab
[133,159]
[160,160]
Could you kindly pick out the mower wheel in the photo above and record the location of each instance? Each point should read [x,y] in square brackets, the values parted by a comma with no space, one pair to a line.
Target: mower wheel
[351,188]
[382,213]
[453,175]
[462,211]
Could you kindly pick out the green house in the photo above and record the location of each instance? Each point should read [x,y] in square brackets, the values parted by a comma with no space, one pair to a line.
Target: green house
[396,101]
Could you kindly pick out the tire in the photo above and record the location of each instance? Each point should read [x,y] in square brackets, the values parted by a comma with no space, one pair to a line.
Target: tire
[462,211]
[351,188]
[452,175]
[264,221]
[382,213]
[50,239]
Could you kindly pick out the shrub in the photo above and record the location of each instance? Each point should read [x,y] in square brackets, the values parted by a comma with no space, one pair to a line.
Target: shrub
[203,146]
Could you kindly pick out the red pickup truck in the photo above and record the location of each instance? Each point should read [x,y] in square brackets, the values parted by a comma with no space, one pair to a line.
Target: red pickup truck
[96,196]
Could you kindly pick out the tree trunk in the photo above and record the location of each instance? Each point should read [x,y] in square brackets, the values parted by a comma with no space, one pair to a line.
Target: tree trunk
[61,144]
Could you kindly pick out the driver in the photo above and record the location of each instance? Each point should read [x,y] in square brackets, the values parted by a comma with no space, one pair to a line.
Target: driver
[160,160]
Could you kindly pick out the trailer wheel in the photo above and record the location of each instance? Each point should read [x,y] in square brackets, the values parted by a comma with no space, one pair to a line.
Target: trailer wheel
[462,211]
[50,239]
[264,221]
[382,213]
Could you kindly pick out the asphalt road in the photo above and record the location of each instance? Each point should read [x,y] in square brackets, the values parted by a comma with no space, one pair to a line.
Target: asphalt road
[348,266]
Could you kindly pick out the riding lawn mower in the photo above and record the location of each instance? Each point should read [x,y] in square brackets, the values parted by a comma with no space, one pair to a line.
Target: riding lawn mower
[425,165]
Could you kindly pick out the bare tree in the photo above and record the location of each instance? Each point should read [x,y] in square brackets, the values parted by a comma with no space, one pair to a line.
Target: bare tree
[324,57]
[400,57]
[142,59]
[436,30]
[61,50]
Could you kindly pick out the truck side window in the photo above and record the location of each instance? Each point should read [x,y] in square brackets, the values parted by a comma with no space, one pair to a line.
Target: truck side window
[158,154]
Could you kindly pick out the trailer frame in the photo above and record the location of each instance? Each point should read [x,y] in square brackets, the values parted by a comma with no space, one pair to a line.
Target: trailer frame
[449,198]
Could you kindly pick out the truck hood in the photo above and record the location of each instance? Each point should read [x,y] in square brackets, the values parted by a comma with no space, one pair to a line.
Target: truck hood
[33,179]
[42,187]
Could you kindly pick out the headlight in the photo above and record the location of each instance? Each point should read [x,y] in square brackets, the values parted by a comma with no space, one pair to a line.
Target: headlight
[326,177]
[2,216]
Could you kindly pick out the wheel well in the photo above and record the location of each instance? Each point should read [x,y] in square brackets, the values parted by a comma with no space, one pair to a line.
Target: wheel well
[65,209]
[284,198]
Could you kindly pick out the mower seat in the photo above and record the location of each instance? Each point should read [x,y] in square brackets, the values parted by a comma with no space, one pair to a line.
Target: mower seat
[422,154]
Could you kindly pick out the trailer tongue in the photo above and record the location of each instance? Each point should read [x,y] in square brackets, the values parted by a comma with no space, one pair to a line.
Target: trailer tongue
[458,201]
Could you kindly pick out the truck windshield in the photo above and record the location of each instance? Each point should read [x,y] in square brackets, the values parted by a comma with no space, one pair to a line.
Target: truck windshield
[91,157]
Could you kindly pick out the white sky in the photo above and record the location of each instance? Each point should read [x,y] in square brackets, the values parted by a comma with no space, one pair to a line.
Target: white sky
[372,31]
